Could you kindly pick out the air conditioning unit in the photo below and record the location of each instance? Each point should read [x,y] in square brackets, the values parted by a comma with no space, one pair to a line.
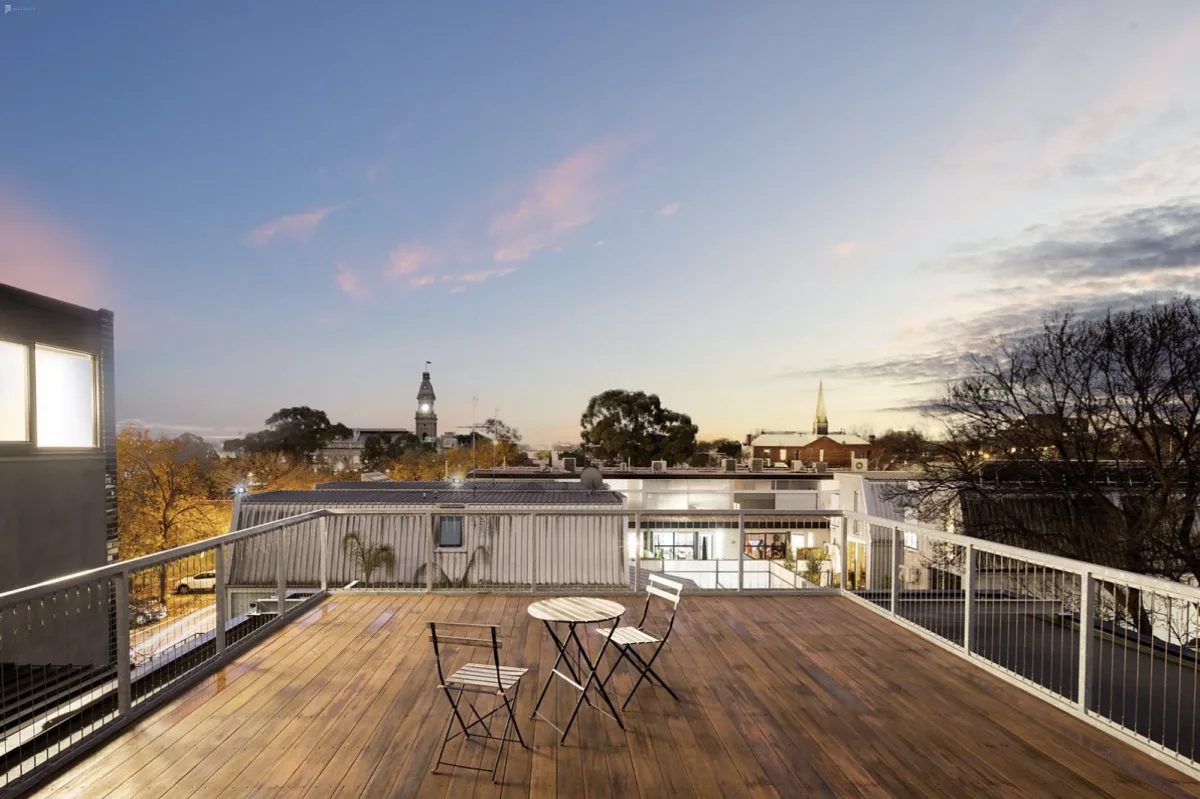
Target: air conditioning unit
[729,465]
[820,467]
[910,574]
[658,466]
[756,464]
[568,464]
[859,464]
[797,466]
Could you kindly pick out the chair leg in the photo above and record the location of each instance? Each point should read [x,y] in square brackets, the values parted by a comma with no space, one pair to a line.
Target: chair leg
[646,670]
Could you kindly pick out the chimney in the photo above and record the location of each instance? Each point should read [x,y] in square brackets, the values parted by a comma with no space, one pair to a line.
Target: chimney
[871,439]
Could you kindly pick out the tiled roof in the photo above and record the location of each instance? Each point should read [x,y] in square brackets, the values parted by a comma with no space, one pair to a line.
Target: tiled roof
[804,439]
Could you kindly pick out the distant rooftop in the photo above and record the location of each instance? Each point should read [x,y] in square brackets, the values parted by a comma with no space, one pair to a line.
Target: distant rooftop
[788,438]
[644,473]
[433,494]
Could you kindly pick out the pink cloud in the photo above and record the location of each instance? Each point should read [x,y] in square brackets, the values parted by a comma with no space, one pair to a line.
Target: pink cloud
[479,275]
[38,255]
[408,259]
[670,209]
[844,249]
[564,197]
[423,280]
[298,227]
[349,282]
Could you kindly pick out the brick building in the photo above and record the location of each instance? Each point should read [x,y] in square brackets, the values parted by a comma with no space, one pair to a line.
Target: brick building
[838,450]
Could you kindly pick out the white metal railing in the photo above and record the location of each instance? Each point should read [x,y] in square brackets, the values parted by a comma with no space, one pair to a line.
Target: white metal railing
[1116,648]
[1119,649]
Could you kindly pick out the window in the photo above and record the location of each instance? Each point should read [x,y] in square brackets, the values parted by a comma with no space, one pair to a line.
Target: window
[14,392]
[910,540]
[450,531]
[66,398]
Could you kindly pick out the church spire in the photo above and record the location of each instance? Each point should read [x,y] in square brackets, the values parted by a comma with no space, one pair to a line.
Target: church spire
[821,423]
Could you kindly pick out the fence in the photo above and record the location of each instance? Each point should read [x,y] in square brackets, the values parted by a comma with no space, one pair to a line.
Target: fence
[86,654]
[1116,648]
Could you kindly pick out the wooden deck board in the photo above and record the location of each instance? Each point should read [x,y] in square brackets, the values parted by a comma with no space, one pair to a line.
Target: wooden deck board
[782,696]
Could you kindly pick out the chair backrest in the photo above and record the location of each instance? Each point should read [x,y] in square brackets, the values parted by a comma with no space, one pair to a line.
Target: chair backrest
[662,588]
[491,640]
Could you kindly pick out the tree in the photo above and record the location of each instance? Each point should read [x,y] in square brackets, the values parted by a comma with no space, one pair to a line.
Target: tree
[898,449]
[499,431]
[164,488]
[1082,440]
[368,557]
[298,432]
[380,450]
[271,471]
[633,426]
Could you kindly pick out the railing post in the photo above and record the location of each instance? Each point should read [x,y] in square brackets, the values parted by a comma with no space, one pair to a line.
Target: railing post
[845,545]
[222,609]
[533,519]
[124,675]
[896,553]
[323,534]
[280,572]
[637,552]
[430,543]
[741,553]
[968,596]
[1087,617]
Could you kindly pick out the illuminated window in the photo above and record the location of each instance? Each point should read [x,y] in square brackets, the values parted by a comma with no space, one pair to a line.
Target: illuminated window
[14,392]
[66,398]
[910,540]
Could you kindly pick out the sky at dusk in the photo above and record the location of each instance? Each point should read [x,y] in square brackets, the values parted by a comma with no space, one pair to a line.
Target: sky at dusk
[721,203]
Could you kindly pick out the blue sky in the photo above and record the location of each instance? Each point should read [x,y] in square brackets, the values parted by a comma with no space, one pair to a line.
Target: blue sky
[300,203]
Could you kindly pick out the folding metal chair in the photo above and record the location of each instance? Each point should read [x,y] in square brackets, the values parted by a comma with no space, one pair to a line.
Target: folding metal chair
[476,678]
[626,639]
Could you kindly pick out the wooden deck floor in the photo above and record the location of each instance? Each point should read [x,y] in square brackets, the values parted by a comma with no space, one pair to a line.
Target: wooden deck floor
[782,697]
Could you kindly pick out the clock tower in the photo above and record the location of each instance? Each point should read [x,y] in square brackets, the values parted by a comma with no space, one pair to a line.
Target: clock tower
[426,426]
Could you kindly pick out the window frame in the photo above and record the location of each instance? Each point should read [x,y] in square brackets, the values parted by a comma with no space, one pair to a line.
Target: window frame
[26,443]
[97,435]
[442,529]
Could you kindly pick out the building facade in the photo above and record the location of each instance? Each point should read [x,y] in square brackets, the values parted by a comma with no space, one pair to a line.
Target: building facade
[58,503]
[839,450]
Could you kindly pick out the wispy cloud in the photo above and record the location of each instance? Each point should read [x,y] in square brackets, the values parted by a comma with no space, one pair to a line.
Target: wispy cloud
[349,282]
[407,260]
[1086,266]
[599,243]
[462,281]
[844,249]
[564,197]
[423,280]
[38,254]
[296,227]
[670,209]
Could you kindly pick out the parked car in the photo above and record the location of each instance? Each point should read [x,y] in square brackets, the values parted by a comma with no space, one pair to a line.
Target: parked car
[146,611]
[204,581]
[269,605]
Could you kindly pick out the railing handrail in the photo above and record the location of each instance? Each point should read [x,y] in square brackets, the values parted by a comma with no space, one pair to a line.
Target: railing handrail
[167,555]
[1095,570]
[1191,593]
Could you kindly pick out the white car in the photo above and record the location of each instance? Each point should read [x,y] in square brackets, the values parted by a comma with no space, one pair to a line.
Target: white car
[204,581]
[269,605]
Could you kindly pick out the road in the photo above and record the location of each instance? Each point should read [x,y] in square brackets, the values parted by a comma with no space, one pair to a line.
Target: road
[154,639]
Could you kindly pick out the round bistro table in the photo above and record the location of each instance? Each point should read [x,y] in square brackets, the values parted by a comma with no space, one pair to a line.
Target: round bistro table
[573,611]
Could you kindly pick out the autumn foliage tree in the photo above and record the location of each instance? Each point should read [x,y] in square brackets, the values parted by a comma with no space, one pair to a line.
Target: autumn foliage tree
[165,490]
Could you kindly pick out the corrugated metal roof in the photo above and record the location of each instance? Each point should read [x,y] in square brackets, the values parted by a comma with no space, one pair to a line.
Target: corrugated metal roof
[442,485]
[506,495]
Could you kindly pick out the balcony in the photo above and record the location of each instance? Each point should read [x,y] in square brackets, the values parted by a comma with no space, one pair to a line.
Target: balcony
[923,664]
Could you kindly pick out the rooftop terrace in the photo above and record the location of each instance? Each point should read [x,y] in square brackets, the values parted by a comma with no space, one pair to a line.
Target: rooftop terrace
[781,696]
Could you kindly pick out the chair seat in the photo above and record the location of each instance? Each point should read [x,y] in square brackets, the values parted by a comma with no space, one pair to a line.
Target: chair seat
[629,635]
[485,674]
